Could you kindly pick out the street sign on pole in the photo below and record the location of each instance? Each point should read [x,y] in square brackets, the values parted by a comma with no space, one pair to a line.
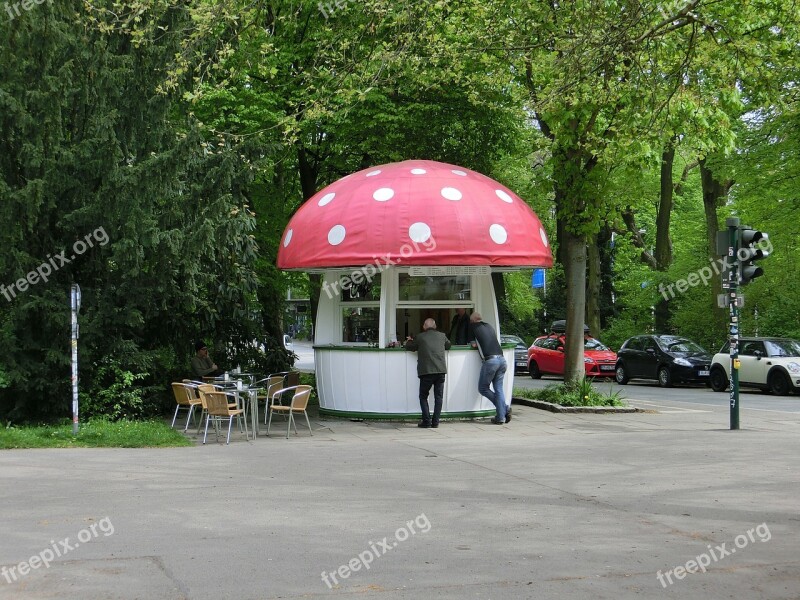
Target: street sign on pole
[537,279]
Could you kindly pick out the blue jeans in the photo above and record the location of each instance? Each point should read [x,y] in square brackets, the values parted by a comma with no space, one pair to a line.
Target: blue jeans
[493,371]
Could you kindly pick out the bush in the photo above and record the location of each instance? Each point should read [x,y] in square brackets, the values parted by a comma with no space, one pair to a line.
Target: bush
[580,393]
[116,395]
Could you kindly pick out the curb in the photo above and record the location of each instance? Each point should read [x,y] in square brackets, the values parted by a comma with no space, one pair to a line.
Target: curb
[557,408]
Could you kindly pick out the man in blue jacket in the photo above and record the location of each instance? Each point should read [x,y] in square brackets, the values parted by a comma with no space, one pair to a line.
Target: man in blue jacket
[430,346]
[493,369]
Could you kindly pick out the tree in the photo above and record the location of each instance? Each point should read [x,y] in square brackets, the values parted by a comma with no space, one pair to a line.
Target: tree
[90,150]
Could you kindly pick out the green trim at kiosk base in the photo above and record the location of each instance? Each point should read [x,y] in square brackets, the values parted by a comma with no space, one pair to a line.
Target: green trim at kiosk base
[349,414]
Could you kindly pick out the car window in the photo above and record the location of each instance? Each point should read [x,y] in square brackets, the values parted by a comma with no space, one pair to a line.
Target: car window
[550,343]
[633,344]
[593,344]
[682,346]
[783,347]
[750,348]
[649,344]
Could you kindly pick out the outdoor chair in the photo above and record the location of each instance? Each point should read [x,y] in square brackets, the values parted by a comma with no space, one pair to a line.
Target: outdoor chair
[219,409]
[186,399]
[293,378]
[202,391]
[298,405]
[274,383]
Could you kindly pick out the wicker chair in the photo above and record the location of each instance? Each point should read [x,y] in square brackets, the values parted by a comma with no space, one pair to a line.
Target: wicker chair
[274,383]
[299,404]
[219,409]
[186,399]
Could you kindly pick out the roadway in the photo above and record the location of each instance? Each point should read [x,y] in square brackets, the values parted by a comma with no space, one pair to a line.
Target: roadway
[648,395]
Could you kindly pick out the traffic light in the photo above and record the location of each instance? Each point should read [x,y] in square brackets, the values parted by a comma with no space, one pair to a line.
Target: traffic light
[751,247]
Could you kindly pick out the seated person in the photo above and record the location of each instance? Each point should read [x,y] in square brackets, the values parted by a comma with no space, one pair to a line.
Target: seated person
[202,365]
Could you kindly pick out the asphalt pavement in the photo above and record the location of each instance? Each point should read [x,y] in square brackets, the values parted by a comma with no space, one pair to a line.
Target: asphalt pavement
[644,505]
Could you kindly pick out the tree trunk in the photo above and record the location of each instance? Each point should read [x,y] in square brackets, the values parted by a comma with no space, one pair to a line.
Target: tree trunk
[308,184]
[715,192]
[663,252]
[593,297]
[575,268]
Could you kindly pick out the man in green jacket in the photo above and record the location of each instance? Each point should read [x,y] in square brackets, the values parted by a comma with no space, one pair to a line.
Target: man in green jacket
[430,346]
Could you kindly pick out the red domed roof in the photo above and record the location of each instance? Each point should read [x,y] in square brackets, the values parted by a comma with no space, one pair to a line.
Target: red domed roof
[415,212]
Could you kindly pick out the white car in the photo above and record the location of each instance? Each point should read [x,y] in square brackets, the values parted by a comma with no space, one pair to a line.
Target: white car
[766,363]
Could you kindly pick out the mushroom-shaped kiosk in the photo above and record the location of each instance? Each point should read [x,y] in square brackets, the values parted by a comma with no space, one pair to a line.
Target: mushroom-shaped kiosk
[396,244]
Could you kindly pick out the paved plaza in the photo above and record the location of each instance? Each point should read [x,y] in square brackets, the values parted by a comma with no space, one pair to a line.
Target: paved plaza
[666,504]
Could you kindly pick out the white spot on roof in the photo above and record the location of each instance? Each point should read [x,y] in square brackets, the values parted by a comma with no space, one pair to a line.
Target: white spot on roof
[418,171]
[451,193]
[498,234]
[503,196]
[336,235]
[457,172]
[544,236]
[326,199]
[383,194]
[373,173]
[419,232]
[288,238]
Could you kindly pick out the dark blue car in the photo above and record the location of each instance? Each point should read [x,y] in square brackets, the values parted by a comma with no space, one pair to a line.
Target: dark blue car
[666,358]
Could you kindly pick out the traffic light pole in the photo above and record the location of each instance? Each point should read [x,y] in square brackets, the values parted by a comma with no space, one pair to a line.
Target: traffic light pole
[733,304]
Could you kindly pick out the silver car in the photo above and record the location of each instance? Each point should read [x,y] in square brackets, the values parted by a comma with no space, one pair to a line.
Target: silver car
[520,351]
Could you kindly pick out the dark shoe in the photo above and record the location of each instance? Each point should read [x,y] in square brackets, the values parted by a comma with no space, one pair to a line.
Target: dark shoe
[424,425]
[496,422]
[434,425]
[508,415]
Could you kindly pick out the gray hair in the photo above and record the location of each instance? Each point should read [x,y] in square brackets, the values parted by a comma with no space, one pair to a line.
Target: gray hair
[429,324]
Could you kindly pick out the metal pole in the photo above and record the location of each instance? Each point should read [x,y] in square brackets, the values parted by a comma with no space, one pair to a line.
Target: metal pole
[75,306]
[733,305]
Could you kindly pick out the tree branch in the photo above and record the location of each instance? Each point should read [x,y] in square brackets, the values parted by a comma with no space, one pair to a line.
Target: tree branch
[629,218]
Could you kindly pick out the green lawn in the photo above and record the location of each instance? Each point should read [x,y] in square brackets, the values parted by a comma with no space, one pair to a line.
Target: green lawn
[94,434]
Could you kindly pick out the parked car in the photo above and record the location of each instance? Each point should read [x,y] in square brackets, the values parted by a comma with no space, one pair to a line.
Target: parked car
[766,363]
[288,343]
[520,351]
[546,356]
[665,358]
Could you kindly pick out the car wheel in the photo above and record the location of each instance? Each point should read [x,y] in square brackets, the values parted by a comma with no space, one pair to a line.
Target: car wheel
[621,375]
[533,369]
[779,384]
[718,380]
[664,377]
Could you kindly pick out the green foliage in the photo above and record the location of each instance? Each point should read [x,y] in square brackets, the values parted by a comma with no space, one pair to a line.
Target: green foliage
[97,433]
[267,357]
[524,306]
[90,145]
[577,393]
[117,395]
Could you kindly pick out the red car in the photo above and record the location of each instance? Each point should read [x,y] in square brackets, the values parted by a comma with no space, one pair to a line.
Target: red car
[546,356]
